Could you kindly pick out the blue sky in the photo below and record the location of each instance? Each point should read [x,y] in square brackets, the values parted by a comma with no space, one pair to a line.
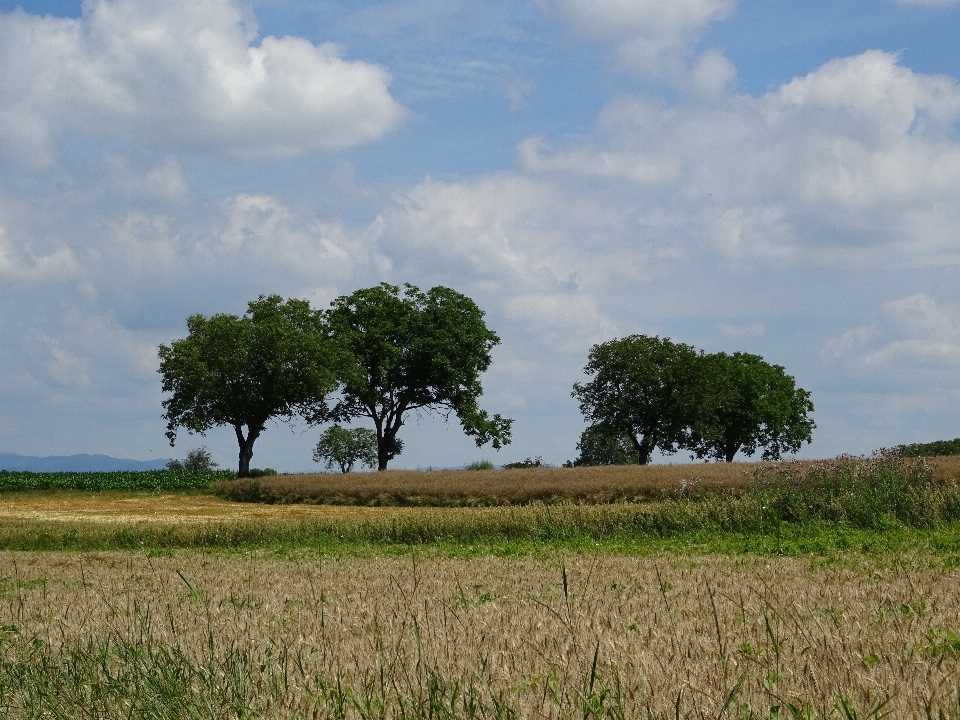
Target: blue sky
[777,177]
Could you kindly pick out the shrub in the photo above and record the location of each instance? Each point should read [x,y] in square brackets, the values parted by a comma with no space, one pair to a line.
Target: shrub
[262,472]
[479,465]
[528,463]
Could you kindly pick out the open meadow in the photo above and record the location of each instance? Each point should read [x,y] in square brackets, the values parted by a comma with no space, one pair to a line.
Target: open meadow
[804,590]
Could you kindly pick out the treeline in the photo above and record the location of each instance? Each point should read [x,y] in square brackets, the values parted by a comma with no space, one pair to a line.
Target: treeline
[379,353]
[384,352]
[649,393]
[936,448]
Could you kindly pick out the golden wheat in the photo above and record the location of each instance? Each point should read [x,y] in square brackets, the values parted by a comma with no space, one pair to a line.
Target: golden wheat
[541,634]
[611,483]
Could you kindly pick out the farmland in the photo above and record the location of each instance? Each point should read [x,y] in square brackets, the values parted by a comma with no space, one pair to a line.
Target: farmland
[590,485]
[560,635]
[808,590]
[151,480]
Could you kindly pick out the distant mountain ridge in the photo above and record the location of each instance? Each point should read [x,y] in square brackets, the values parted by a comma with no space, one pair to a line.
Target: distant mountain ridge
[76,463]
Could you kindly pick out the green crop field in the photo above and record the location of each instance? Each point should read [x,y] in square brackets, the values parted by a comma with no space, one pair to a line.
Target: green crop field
[150,480]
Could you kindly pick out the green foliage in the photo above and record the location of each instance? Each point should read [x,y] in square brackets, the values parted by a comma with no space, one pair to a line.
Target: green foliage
[274,362]
[748,403]
[870,493]
[413,351]
[643,388]
[648,393]
[601,445]
[479,465]
[197,459]
[937,448]
[261,472]
[343,448]
[523,464]
[152,480]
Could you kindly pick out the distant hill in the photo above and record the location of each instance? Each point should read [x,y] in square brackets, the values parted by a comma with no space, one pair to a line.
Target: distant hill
[75,463]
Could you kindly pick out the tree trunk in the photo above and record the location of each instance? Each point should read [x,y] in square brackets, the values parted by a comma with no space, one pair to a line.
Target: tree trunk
[642,449]
[382,454]
[643,457]
[246,449]
[732,448]
[386,442]
[382,457]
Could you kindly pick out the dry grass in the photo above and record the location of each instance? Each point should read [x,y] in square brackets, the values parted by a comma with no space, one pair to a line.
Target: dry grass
[559,637]
[499,487]
[946,470]
[466,488]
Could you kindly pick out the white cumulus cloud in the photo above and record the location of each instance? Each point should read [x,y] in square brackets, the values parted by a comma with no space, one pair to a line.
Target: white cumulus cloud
[185,74]
[859,153]
[913,333]
[650,36]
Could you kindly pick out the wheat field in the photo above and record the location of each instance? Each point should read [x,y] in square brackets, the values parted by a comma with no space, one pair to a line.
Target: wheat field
[552,636]
[603,484]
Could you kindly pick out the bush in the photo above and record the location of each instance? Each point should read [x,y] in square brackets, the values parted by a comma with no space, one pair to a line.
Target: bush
[479,465]
[261,472]
[528,463]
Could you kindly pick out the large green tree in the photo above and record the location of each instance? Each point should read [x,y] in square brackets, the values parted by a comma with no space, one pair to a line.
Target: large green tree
[344,448]
[643,388]
[602,445]
[273,362]
[410,351]
[749,404]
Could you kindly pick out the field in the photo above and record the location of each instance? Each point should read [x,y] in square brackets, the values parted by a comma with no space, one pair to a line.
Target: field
[458,488]
[815,590]
[560,635]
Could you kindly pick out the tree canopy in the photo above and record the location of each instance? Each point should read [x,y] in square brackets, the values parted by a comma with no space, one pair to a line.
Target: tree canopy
[749,404]
[409,351]
[273,362]
[656,394]
[643,388]
[602,445]
[342,447]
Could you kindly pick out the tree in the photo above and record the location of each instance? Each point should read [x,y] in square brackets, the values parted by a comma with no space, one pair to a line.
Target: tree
[602,445]
[274,362]
[643,388]
[410,352]
[341,447]
[197,459]
[749,404]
